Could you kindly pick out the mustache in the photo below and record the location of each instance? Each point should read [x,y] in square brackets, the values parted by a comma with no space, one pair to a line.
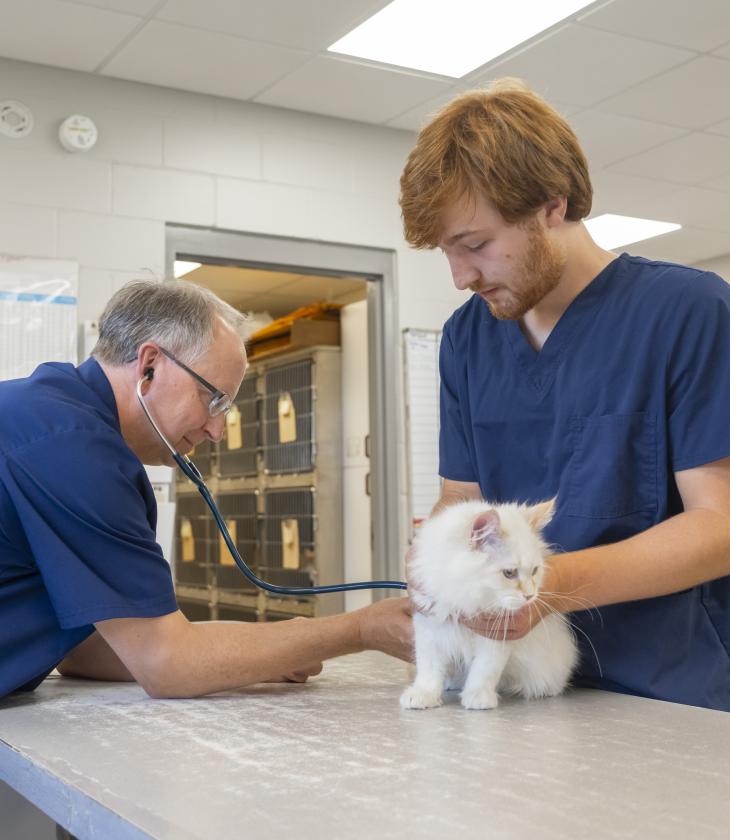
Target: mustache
[479,287]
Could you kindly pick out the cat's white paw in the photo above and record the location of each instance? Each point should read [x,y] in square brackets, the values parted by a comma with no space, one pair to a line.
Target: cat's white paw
[481,698]
[415,697]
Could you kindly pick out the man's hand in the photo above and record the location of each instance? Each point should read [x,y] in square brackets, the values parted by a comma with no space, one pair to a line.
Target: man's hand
[504,626]
[302,675]
[387,626]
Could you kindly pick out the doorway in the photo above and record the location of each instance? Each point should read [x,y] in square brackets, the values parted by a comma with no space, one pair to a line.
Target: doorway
[269,276]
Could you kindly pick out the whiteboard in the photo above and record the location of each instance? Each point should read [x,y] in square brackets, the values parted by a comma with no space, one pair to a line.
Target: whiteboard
[422,382]
[38,314]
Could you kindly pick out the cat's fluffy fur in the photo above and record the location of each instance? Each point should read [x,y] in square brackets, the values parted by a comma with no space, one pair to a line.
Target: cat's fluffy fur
[458,569]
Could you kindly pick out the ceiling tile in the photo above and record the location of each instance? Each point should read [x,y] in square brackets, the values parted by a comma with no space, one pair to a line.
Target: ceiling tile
[319,288]
[686,246]
[719,128]
[276,292]
[308,24]
[131,7]
[693,95]
[689,159]
[609,137]
[629,195]
[206,62]
[717,182]
[697,207]
[581,66]
[700,25]
[229,279]
[61,34]
[350,90]
[415,118]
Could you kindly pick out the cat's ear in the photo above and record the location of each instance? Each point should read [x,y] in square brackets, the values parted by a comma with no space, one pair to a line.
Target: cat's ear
[539,515]
[485,529]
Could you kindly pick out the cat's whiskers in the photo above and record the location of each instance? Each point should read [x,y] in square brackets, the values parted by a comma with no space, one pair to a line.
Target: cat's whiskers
[505,616]
[536,602]
[582,602]
[570,624]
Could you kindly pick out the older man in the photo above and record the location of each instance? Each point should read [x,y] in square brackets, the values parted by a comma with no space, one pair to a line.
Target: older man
[83,583]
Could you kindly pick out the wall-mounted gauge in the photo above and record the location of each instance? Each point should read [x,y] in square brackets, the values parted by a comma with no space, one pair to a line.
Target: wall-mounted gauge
[16,119]
[77,133]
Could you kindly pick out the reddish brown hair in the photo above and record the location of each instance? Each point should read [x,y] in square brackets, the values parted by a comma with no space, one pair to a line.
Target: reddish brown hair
[506,144]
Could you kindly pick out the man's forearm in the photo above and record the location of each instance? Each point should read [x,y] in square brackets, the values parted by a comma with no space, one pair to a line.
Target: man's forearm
[171,657]
[688,549]
[218,655]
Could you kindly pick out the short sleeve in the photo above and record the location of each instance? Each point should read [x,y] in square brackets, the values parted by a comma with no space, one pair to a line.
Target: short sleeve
[699,378]
[84,504]
[455,461]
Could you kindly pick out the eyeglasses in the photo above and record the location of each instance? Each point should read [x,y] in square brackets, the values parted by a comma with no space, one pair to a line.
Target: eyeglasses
[220,402]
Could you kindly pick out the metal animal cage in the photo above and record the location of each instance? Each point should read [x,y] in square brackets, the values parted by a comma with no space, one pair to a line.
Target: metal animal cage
[239,512]
[281,490]
[238,449]
[288,418]
[287,545]
[193,538]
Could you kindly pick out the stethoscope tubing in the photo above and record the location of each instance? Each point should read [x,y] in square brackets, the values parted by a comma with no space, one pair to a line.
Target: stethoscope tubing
[193,474]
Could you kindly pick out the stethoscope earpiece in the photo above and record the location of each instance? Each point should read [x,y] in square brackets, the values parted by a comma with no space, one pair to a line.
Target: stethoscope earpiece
[149,373]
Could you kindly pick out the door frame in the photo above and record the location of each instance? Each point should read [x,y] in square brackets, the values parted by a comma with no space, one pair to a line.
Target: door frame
[375,265]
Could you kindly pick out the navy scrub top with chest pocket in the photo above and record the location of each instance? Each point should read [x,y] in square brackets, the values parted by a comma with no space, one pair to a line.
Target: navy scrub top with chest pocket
[631,386]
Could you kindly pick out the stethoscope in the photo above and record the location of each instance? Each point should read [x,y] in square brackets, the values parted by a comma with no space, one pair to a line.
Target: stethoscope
[193,473]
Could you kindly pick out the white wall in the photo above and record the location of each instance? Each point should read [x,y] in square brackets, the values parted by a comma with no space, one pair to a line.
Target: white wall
[165,155]
[169,156]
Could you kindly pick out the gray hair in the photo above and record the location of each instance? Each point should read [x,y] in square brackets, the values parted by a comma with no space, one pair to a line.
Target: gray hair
[178,315]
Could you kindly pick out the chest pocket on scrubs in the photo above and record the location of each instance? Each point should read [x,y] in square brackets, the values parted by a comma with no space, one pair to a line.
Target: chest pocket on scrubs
[613,469]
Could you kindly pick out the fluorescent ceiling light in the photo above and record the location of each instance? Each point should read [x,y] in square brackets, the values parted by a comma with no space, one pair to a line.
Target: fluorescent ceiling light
[451,38]
[182,267]
[611,231]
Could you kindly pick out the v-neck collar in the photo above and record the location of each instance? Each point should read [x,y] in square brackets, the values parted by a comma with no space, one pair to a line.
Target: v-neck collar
[539,366]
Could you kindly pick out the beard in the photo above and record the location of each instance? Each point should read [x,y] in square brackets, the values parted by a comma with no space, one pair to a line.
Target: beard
[539,273]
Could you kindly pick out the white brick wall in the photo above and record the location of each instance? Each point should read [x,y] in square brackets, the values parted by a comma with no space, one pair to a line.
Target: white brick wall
[167,155]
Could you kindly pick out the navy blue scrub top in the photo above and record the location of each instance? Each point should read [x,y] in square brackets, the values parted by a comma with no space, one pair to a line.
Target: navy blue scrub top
[77,521]
[631,386]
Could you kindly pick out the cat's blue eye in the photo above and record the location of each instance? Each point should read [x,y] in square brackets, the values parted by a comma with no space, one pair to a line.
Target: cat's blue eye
[510,574]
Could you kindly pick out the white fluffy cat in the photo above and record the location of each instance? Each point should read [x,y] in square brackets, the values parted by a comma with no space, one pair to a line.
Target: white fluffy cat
[474,557]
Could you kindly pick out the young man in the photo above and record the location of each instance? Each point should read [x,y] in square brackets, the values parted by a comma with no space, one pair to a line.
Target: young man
[598,378]
[83,583]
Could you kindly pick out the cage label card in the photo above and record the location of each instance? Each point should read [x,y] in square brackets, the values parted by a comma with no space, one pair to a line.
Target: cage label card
[287,419]
[290,543]
[234,436]
[188,540]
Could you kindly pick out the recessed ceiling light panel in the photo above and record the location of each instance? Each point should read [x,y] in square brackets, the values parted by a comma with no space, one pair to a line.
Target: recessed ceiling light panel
[611,231]
[451,38]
